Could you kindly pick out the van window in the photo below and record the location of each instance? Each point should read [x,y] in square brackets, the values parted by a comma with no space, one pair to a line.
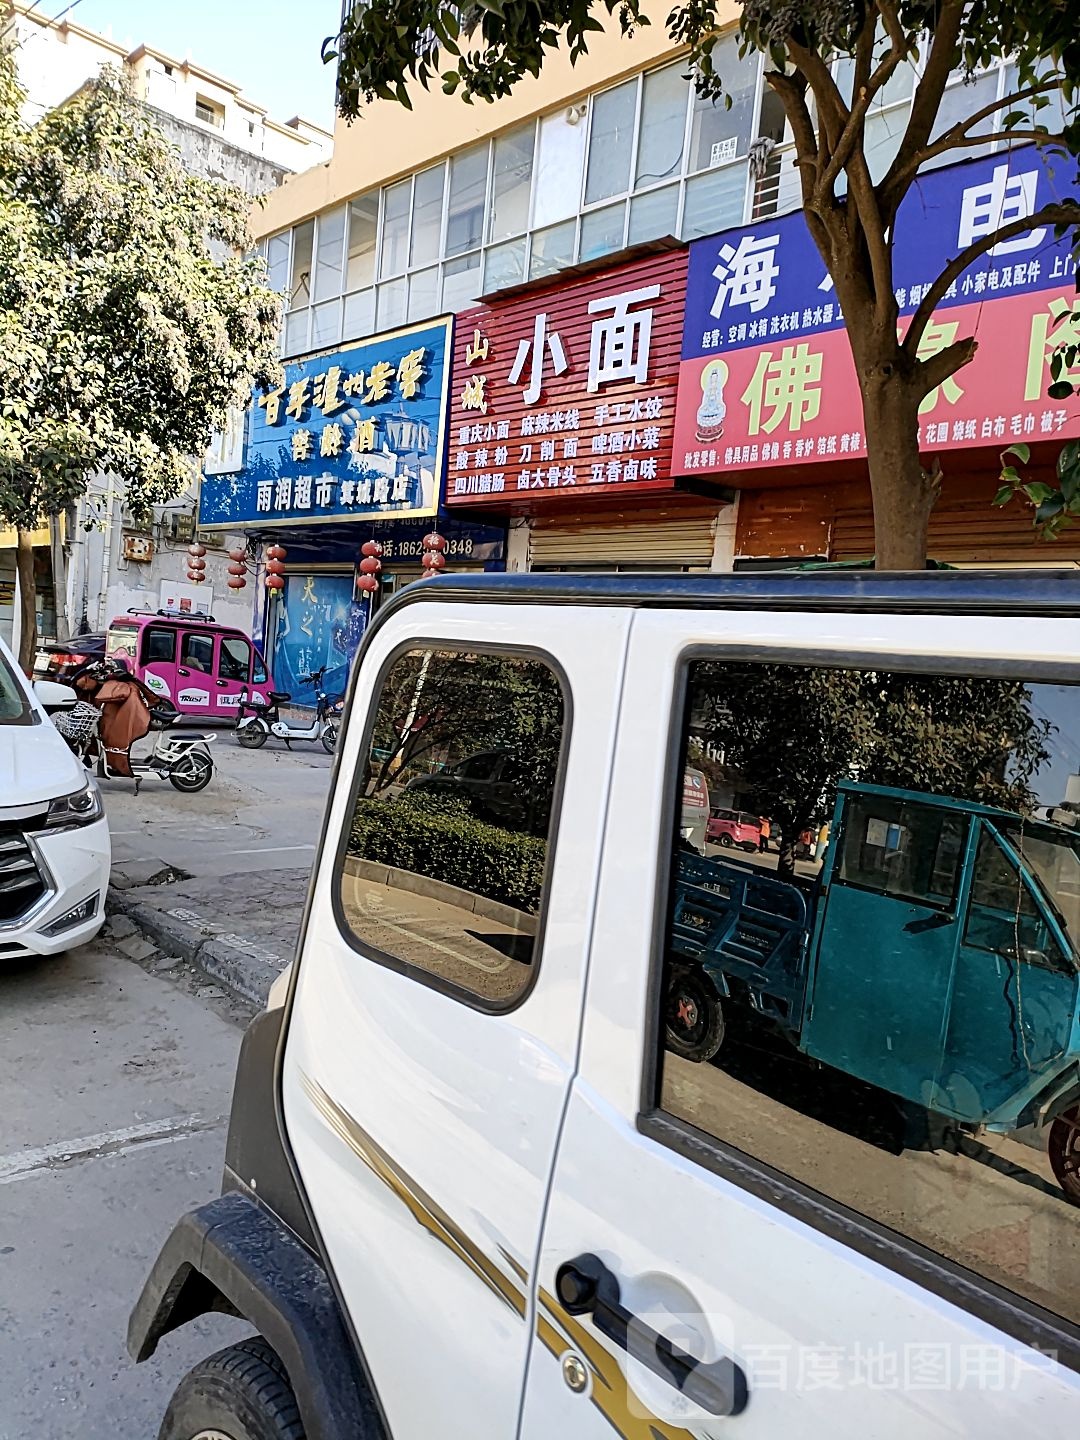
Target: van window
[197,651]
[881,1003]
[259,675]
[234,658]
[120,641]
[159,643]
[445,862]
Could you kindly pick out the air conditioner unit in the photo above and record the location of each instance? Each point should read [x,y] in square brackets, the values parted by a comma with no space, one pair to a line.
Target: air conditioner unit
[180,526]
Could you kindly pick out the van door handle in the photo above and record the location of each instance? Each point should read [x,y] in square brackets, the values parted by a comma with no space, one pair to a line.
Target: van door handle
[181,671]
[222,684]
[586,1285]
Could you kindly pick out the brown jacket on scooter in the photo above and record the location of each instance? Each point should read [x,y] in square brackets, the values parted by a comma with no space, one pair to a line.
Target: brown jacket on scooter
[125,718]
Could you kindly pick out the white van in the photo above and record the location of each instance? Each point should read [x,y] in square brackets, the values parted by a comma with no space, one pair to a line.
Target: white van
[484,1178]
[54,838]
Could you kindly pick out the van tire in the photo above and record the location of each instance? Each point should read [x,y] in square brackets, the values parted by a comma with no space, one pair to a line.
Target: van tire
[242,1393]
[694,1018]
[726,841]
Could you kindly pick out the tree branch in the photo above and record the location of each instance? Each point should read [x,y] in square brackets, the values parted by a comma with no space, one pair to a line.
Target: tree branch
[1060,213]
[831,108]
[927,102]
[945,362]
[793,98]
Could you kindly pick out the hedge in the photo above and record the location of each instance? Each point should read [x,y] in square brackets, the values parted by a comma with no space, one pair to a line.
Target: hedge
[446,843]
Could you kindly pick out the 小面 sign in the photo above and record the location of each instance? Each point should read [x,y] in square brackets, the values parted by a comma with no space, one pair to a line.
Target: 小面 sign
[568,388]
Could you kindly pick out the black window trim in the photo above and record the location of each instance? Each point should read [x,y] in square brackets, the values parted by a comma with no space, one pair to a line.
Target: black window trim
[144,644]
[1012,1314]
[383,957]
[223,640]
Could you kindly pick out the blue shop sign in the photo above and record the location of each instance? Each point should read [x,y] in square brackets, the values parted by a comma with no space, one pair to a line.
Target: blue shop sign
[768,279]
[351,434]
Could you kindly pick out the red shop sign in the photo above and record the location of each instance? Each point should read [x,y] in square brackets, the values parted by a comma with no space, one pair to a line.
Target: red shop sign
[569,390]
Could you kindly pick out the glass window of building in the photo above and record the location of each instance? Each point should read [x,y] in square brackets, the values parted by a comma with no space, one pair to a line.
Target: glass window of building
[461,282]
[719,133]
[391,305]
[653,215]
[504,265]
[277,261]
[511,183]
[300,280]
[363,238]
[468,199]
[423,293]
[427,209]
[329,254]
[602,231]
[552,249]
[611,141]
[662,132]
[394,251]
[560,158]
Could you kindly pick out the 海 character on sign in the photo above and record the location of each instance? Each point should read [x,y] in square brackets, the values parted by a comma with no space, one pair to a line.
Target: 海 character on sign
[332,440]
[787,386]
[472,394]
[747,274]
[410,372]
[302,442]
[271,401]
[619,344]
[540,344]
[1003,198]
[299,399]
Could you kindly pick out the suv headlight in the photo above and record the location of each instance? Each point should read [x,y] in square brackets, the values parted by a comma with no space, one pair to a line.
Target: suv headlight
[81,807]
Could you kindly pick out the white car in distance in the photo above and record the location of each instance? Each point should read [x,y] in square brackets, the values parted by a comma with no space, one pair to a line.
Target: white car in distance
[54,838]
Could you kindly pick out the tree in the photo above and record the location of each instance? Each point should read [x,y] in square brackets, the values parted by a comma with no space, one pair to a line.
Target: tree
[131,319]
[850,212]
[792,733]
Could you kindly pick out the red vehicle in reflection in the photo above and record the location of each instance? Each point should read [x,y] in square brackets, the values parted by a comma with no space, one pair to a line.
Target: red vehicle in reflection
[734,828]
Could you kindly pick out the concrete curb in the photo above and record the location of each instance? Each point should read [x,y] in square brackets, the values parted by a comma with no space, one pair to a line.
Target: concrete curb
[225,957]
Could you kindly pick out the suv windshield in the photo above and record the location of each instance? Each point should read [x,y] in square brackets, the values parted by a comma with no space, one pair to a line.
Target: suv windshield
[14,706]
[1054,860]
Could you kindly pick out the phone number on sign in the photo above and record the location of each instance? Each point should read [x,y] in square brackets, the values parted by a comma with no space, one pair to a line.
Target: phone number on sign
[414,549]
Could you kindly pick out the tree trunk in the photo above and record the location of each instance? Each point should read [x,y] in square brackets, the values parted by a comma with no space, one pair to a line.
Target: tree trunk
[785,865]
[24,567]
[60,576]
[904,492]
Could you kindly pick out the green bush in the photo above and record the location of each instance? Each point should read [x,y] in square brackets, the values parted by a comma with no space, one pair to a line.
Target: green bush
[443,843]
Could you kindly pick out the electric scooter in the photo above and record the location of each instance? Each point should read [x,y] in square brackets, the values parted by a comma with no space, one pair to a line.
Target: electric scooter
[256,723]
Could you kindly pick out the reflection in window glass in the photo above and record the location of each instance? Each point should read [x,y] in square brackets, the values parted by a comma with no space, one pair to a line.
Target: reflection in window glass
[300,280]
[427,215]
[958,102]
[719,134]
[326,323]
[552,249]
[363,230]
[234,660]
[359,315]
[511,182]
[329,254]
[879,997]
[663,125]
[898,88]
[504,265]
[296,331]
[714,201]
[391,304]
[468,196]
[1050,116]
[654,215]
[602,231]
[423,293]
[610,142]
[461,282]
[448,843]
[277,262]
[394,252]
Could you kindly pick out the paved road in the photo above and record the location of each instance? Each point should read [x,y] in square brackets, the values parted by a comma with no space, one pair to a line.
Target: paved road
[116,1087]
[262,811]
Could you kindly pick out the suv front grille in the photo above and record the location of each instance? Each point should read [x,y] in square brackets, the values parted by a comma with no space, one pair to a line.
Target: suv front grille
[21,883]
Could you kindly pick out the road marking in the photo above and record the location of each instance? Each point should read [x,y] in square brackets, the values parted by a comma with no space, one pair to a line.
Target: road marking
[271,849]
[21,1164]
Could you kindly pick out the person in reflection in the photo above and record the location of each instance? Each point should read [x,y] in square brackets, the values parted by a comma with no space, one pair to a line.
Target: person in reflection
[763,836]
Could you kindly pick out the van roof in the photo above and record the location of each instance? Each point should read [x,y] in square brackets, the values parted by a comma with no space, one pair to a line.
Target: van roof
[987,592]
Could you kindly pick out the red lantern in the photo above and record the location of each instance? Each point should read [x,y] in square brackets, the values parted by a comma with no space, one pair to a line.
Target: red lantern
[367,583]
[275,567]
[196,563]
[196,577]
[239,556]
[434,541]
[236,582]
[371,548]
[370,565]
[235,568]
[433,561]
[196,550]
[276,552]
[275,583]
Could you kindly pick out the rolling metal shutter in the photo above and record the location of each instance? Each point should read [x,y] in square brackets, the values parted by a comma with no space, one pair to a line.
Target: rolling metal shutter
[657,538]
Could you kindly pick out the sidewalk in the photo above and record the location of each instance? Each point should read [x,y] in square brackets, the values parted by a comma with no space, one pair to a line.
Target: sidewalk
[241,929]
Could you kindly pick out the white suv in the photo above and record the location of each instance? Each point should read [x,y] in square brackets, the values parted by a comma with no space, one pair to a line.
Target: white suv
[54,838]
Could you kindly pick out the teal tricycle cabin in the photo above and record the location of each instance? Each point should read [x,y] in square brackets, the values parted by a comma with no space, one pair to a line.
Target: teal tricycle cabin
[935,956]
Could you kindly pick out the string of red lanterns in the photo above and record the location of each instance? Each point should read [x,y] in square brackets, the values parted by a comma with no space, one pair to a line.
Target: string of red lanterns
[434,557]
[196,565]
[237,569]
[370,567]
[275,569]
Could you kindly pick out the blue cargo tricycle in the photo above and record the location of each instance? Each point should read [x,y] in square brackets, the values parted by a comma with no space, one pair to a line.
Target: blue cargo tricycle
[936,956]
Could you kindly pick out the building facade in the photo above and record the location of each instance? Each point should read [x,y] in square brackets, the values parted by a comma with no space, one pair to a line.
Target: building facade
[104,561]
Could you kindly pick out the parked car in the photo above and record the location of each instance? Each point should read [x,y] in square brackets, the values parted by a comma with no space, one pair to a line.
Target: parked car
[54,838]
[490,782]
[193,661]
[735,828]
[62,660]
[471,1187]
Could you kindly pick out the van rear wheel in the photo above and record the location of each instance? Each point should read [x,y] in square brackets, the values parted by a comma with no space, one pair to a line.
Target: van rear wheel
[695,1019]
[241,1393]
[1063,1145]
